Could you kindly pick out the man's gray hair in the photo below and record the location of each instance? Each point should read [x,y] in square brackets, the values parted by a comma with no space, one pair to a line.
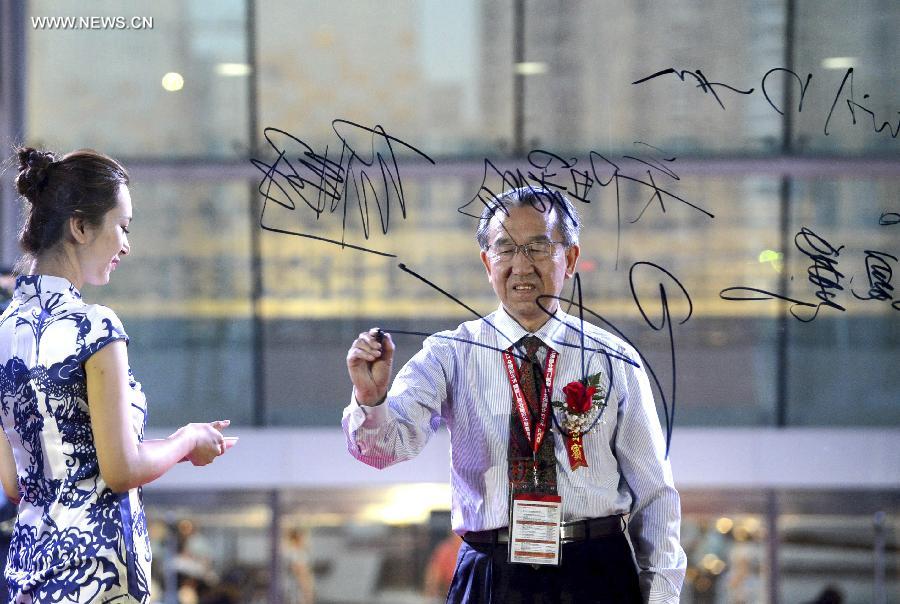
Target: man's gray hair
[539,198]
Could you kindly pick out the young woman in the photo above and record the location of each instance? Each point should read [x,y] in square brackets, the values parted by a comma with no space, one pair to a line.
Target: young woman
[74,457]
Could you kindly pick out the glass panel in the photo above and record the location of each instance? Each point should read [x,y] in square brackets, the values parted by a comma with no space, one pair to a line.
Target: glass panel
[843,262]
[838,555]
[419,70]
[724,351]
[140,80]
[726,557]
[184,297]
[583,61]
[320,292]
[838,542]
[210,547]
[379,544]
[851,103]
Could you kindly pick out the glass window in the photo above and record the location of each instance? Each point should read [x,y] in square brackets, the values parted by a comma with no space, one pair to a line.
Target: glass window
[719,233]
[443,82]
[850,104]
[210,546]
[184,297]
[131,79]
[417,69]
[843,260]
[727,557]
[584,60]
[382,543]
[843,544]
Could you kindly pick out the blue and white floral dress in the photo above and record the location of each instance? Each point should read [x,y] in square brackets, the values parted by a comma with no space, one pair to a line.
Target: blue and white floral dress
[74,539]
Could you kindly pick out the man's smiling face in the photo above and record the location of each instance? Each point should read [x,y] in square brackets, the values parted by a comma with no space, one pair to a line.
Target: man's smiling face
[520,280]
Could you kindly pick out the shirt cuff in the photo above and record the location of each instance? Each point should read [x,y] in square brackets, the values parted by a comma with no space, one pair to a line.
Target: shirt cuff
[660,590]
[358,415]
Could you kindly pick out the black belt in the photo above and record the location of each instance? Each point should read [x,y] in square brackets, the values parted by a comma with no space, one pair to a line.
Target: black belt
[579,530]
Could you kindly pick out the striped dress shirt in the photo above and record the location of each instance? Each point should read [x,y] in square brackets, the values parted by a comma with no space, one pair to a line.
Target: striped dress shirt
[458,378]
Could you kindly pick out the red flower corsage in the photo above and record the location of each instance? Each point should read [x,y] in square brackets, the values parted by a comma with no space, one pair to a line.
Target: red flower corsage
[583,398]
[579,398]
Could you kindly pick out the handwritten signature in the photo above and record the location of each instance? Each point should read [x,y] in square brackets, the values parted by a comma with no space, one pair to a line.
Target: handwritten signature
[824,275]
[848,96]
[367,177]
[879,274]
[889,218]
[664,321]
[553,172]
[589,343]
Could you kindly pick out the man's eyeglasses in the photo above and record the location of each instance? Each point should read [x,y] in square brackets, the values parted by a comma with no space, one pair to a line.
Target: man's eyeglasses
[535,251]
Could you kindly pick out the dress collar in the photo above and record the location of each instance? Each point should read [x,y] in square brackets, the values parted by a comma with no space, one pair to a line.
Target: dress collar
[28,286]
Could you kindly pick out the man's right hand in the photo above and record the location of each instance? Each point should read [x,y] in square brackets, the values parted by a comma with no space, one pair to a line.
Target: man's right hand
[369,363]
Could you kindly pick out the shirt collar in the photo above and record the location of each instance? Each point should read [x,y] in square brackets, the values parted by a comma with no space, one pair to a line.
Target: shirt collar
[511,332]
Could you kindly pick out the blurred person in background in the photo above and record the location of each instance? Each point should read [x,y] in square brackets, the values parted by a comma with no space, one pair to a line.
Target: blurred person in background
[298,583]
[441,564]
[193,563]
[831,594]
[74,457]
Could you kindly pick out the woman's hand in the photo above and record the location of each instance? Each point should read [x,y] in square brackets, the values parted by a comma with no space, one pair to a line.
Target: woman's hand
[207,440]
[124,462]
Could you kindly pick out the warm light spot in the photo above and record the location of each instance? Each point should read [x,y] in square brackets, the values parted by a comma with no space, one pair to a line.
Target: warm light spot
[838,62]
[172,81]
[723,525]
[233,69]
[752,524]
[408,504]
[531,68]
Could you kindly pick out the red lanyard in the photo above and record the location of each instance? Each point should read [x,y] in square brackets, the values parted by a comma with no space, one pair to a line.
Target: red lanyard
[522,405]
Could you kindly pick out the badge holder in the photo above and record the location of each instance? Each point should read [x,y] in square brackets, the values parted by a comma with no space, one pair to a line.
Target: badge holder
[534,529]
[534,516]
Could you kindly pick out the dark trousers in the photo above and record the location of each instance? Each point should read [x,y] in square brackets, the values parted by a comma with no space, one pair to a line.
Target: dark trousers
[597,571]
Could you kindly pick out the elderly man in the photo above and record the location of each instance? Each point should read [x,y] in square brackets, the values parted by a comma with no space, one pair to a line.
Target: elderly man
[554,435]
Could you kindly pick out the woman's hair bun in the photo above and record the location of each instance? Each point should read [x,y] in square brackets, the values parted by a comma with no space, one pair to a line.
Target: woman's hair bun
[34,168]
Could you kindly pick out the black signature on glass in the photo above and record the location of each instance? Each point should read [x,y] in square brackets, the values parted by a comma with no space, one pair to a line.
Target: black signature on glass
[824,275]
[361,178]
[555,173]
[889,218]
[547,179]
[588,343]
[879,273]
[603,166]
[662,320]
[848,95]
[702,83]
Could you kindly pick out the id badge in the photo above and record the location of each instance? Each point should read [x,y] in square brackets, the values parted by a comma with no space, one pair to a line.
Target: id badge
[534,528]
